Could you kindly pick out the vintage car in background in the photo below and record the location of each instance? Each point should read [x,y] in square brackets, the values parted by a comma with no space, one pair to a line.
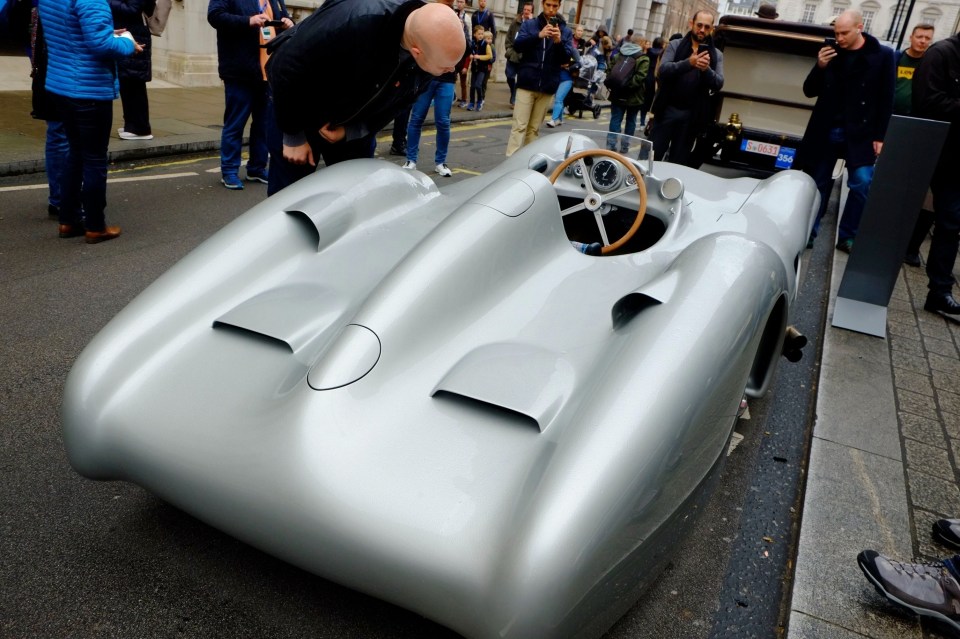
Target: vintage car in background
[761,112]
[496,404]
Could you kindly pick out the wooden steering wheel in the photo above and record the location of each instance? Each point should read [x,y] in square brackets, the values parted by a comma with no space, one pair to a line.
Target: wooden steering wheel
[594,200]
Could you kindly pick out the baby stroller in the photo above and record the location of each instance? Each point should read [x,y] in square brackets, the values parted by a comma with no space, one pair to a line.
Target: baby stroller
[588,76]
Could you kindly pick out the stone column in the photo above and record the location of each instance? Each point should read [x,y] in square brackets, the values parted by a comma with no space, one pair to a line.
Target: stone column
[186,53]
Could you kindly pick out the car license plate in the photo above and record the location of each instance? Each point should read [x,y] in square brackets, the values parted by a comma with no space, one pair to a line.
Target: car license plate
[783,154]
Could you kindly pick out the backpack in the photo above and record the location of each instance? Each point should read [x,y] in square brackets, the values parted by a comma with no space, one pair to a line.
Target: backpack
[620,74]
[157,20]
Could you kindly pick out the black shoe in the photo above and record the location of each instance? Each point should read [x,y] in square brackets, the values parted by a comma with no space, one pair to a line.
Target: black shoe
[912,259]
[926,590]
[941,303]
[845,245]
[947,532]
[53,212]
[398,150]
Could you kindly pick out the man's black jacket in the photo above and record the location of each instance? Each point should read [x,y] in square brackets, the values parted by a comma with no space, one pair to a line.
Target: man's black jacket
[936,96]
[867,97]
[344,66]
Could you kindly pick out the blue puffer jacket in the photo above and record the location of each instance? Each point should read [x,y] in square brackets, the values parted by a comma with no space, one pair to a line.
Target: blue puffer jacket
[82,48]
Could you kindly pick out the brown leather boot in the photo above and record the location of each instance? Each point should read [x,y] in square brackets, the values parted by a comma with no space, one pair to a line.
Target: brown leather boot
[108,233]
[70,230]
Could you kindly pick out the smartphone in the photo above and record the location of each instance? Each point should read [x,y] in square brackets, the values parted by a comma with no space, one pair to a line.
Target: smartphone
[830,42]
[274,23]
[554,21]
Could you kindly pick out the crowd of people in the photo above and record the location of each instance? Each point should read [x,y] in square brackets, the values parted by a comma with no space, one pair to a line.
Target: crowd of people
[416,55]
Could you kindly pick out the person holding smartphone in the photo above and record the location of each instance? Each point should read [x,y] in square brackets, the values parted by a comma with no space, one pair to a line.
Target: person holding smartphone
[544,43]
[244,27]
[691,70]
[853,81]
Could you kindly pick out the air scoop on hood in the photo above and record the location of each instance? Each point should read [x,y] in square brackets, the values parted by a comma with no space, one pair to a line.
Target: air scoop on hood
[353,354]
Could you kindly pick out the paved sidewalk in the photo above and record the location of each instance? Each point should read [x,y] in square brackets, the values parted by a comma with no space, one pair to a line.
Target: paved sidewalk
[184,120]
[883,465]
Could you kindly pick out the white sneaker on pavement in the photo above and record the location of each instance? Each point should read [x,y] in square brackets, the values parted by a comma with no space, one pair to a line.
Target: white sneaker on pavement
[443,170]
[553,123]
[410,166]
[124,135]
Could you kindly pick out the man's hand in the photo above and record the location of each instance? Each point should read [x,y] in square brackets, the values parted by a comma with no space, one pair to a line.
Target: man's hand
[259,20]
[550,31]
[332,135]
[287,23]
[825,56]
[302,154]
[700,61]
[877,147]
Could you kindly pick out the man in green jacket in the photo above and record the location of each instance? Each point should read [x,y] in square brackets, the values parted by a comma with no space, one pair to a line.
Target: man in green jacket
[626,93]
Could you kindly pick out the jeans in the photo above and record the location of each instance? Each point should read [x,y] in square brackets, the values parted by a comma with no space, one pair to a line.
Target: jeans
[566,83]
[617,111]
[243,100]
[57,152]
[858,180]
[441,93]
[477,79]
[87,124]
[946,233]
[511,71]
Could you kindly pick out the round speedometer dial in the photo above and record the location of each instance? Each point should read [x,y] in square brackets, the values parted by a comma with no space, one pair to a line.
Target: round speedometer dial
[605,175]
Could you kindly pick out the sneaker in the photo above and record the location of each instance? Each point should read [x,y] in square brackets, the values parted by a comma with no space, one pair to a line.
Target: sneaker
[480,106]
[551,123]
[947,532]
[125,135]
[462,104]
[912,259]
[410,166]
[232,182]
[443,170]
[398,150]
[926,590]
[471,106]
[257,177]
[845,245]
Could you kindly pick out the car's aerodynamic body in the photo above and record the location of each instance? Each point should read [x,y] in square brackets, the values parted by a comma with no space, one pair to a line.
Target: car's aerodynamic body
[431,396]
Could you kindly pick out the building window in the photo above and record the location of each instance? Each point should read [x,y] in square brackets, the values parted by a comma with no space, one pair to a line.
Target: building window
[868,16]
[930,15]
[809,11]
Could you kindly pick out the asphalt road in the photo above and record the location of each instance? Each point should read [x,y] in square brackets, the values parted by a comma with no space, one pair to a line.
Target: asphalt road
[80,558]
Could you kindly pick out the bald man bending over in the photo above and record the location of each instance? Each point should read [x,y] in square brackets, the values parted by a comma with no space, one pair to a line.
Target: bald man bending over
[342,74]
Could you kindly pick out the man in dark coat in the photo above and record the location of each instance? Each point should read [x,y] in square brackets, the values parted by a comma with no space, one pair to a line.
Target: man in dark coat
[853,83]
[242,27]
[327,109]
[690,71]
[936,96]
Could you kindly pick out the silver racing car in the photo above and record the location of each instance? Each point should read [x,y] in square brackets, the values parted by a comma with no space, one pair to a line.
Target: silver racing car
[493,403]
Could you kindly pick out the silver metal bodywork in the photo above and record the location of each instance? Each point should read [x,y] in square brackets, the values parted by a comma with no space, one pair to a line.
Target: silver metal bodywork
[431,397]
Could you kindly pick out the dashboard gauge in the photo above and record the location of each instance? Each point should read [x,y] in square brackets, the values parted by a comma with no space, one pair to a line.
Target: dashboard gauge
[578,169]
[630,180]
[605,175]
